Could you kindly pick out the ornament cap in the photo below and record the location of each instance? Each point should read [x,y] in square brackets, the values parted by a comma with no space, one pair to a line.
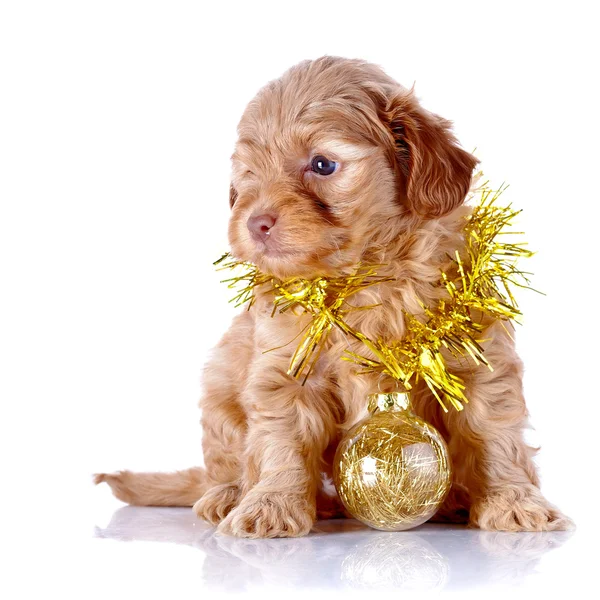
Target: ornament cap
[389,401]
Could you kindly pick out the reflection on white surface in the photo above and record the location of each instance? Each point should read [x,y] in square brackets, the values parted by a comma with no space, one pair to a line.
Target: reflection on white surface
[344,553]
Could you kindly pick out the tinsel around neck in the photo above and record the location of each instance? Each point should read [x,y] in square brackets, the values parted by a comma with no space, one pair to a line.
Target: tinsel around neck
[480,284]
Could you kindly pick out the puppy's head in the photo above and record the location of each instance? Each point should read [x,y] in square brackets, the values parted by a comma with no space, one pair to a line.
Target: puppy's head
[333,158]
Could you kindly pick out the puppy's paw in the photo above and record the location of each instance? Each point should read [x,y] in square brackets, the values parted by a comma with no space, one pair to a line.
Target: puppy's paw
[518,509]
[217,502]
[268,515]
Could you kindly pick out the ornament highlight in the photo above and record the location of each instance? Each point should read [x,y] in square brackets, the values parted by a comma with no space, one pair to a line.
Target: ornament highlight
[392,470]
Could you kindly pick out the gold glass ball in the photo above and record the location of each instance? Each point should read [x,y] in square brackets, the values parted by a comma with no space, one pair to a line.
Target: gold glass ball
[392,471]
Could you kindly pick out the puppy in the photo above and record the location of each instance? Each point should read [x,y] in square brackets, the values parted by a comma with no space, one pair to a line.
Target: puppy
[337,164]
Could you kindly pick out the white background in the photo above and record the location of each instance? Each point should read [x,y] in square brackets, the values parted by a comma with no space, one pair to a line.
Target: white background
[117,120]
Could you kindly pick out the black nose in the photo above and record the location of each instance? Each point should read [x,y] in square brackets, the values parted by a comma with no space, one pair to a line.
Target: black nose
[260,226]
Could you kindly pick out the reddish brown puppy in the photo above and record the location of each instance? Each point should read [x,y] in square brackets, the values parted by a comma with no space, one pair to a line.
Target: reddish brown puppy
[337,164]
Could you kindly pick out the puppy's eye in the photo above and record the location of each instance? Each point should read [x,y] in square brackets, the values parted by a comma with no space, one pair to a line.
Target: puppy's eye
[322,165]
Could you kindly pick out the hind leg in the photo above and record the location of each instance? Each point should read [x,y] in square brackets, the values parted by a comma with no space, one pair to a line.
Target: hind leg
[224,430]
[224,420]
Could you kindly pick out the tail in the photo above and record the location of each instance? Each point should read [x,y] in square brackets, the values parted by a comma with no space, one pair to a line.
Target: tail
[181,488]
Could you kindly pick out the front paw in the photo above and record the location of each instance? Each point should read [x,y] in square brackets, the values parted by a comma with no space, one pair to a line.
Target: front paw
[217,502]
[268,515]
[518,509]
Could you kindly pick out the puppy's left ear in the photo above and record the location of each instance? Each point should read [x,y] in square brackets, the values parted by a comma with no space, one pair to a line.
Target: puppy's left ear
[437,170]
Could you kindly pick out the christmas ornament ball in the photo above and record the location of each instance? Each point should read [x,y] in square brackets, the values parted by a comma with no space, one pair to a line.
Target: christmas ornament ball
[392,470]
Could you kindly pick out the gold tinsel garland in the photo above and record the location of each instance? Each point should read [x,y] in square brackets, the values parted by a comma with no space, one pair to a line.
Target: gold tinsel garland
[479,286]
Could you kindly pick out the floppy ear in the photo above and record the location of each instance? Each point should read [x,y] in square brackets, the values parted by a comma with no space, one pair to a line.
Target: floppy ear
[438,172]
[232,195]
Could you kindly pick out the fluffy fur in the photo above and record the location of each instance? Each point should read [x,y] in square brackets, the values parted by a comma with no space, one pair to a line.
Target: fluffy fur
[396,198]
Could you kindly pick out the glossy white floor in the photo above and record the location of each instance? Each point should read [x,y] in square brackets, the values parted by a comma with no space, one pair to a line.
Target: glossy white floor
[104,549]
[82,543]
[344,554]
